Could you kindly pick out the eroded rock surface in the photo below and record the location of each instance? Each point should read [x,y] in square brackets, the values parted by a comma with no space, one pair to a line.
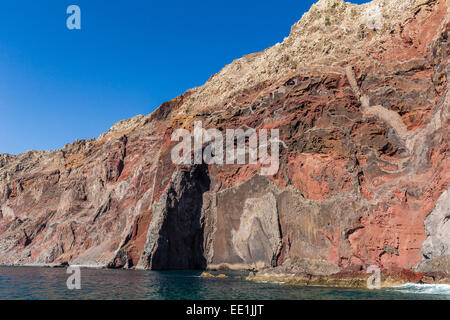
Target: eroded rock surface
[360,95]
[436,248]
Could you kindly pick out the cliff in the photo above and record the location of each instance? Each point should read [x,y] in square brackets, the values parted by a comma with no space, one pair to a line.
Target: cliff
[360,96]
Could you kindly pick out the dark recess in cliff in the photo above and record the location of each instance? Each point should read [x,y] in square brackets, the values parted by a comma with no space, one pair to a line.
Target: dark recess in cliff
[180,244]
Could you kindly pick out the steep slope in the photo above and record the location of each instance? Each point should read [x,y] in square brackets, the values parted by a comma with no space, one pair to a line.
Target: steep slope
[360,96]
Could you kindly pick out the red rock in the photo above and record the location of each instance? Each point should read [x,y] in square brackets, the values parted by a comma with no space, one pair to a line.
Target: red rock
[362,110]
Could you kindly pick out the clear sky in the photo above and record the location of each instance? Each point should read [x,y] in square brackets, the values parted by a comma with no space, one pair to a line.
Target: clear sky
[58,85]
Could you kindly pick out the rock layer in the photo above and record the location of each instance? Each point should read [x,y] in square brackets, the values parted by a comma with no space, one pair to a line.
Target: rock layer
[360,96]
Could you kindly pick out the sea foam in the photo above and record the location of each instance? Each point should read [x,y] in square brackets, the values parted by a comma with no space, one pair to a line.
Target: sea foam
[443,289]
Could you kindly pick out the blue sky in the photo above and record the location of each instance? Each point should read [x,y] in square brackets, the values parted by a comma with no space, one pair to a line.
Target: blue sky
[58,85]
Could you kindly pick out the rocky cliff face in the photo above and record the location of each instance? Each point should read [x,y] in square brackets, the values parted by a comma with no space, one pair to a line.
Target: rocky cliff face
[361,98]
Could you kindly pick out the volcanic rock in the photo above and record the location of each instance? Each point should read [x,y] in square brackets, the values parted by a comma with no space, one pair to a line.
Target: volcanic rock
[360,95]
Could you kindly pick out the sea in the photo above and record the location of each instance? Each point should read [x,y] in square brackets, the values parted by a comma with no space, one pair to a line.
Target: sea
[43,283]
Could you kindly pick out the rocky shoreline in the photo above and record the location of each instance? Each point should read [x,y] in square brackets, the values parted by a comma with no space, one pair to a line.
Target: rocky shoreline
[308,272]
[311,272]
[351,279]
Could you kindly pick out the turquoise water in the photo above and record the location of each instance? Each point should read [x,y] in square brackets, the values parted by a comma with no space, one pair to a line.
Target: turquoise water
[50,283]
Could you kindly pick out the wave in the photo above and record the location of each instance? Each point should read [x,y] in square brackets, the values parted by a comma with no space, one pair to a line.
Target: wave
[424,288]
[270,282]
